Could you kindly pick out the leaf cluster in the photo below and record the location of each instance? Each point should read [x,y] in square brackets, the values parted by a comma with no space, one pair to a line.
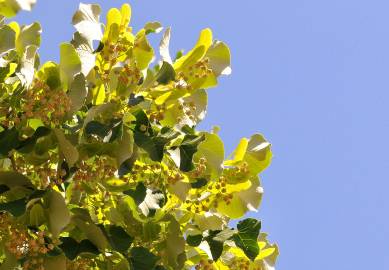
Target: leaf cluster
[101,165]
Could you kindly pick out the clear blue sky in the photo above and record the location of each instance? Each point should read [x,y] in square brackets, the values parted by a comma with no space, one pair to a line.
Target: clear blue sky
[313,77]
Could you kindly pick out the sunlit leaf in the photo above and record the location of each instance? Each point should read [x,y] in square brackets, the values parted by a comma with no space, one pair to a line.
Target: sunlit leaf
[164,46]
[199,50]
[219,58]
[69,64]
[143,52]
[7,38]
[85,52]
[10,8]
[86,21]
[28,35]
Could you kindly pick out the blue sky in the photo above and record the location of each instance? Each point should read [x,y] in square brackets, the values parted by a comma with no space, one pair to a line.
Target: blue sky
[312,76]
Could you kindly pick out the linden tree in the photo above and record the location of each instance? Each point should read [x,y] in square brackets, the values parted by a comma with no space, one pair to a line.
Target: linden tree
[101,166]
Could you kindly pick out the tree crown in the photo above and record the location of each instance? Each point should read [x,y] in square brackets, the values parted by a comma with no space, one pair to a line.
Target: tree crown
[101,166]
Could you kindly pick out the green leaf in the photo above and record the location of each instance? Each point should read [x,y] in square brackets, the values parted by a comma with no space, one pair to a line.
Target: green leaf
[6,71]
[16,208]
[125,147]
[118,238]
[10,261]
[212,149]
[247,237]
[166,73]
[69,63]
[57,212]
[216,247]
[3,188]
[92,232]
[13,179]
[97,128]
[154,146]
[50,74]
[194,240]
[37,215]
[7,38]
[153,27]
[68,150]
[151,231]
[143,52]
[224,235]
[100,110]
[72,248]
[187,149]
[34,142]
[116,185]
[142,259]
[9,139]
[138,194]
[77,93]
[175,244]
[55,263]
[29,35]
[135,100]
[200,182]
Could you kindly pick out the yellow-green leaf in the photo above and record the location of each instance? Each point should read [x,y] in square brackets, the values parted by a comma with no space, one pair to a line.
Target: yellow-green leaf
[199,50]
[70,63]
[126,14]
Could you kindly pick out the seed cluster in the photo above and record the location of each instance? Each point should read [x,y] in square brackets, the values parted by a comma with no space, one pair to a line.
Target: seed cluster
[198,70]
[158,114]
[188,110]
[22,244]
[200,168]
[219,188]
[197,206]
[80,264]
[154,176]
[240,263]
[237,173]
[46,104]
[43,175]
[93,170]
[205,265]
[129,75]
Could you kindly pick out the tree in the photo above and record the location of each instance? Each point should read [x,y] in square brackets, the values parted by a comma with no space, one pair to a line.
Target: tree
[101,165]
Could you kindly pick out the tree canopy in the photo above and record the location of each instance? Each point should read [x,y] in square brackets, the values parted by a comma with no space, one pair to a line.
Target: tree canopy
[101,165]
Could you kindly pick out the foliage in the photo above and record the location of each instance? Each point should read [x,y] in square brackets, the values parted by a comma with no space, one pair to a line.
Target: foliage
[101,165]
